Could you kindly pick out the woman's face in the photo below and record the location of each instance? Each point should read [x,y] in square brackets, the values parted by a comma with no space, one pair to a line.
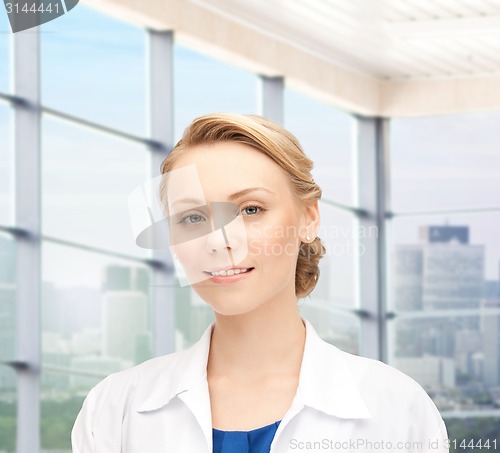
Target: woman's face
[264,236]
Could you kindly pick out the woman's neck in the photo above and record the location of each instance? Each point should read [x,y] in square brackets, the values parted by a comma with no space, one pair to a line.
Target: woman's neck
[266,342]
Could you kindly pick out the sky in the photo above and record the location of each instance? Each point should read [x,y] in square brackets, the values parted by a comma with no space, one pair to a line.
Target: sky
[95,67]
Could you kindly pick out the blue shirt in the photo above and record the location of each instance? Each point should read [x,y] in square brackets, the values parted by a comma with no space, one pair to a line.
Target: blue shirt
[254,441]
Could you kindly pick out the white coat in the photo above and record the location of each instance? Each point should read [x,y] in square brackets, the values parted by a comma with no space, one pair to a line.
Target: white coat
[343,403]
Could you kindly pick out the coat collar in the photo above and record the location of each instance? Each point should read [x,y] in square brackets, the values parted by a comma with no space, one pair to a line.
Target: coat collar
[325,381]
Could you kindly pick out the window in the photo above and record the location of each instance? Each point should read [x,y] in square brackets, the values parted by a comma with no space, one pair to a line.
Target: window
[79,77]
[338,232]
[6,166]
[86,181]
[95,311]
[445,289]
[61,400]
[8,401]
[192,316]
[340,328]
[444,265]
[326,137]
[92,272]
[5,63]
[204,85]
[98,288]
[95,321]
[7,298]
[448,162]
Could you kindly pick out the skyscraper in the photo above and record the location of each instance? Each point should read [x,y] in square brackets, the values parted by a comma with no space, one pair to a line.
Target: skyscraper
[125,313]
[125,322]
[444,272]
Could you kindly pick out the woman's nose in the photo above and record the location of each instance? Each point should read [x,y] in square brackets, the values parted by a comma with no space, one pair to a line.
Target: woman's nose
[217,241]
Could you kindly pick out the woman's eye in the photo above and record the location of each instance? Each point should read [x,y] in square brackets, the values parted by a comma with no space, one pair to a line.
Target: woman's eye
[192,219]
[252,210]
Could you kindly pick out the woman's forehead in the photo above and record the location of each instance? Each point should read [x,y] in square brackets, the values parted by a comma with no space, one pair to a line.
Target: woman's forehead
[226,173]
[222,156]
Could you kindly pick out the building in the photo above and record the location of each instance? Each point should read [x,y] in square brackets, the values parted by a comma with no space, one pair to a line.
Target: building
[443,273]
[125,323]
[490,328]
[93,369]
[430,372]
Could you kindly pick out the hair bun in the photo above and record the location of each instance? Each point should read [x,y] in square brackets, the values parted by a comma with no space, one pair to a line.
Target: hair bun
[307,271]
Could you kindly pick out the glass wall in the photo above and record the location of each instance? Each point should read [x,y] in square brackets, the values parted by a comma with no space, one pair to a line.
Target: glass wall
[443,250]
[444,264]
[95,282]
[325,134]
[448,162]
[8,252]
[87,177]
[8,410]
[5,63]
[95,311]
[61,400]
[7,298]
[6,166]
[94,67]
[205,85]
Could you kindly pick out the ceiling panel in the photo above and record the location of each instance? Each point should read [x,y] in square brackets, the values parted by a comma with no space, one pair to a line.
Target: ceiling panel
[390,39]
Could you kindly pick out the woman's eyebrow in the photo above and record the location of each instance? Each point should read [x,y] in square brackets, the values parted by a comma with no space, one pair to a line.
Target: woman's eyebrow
[231,197]
[240,193]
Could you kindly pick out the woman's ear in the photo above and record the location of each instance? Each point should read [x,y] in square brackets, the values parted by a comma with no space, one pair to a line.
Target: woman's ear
[310,221]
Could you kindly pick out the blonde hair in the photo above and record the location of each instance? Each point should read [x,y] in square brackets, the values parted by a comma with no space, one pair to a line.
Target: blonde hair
[283,148]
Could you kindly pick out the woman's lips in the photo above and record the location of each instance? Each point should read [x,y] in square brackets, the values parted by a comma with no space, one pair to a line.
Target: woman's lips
[224,279]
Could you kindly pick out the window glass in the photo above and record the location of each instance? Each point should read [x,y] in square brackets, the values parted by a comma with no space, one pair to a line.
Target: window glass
[484,431]
[192,314]
[94,67]
[443,262]
[61,400]
[342,329]
[456,357]
[338,233]
[445,289]
[8,409]
[6,166]
[87,179]
[445,162]
[7,298]
[205,85]
[95,311]
[325,135]
[5,36]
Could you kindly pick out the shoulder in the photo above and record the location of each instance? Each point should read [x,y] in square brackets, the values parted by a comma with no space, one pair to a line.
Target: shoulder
[116,397]
[134,384]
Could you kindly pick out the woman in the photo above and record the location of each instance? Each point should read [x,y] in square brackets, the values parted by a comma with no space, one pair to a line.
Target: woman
[243,214]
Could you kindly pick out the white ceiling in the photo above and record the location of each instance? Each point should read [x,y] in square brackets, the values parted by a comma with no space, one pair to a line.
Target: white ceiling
[386,39]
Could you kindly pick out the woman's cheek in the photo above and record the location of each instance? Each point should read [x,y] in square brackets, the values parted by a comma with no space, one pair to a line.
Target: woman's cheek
[270,241]
[187,252]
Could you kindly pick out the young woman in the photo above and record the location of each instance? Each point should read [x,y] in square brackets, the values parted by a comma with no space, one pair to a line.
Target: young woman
[242,209]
